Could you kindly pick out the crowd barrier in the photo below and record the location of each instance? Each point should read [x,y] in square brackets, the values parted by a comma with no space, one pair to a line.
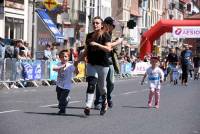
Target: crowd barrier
[22,71]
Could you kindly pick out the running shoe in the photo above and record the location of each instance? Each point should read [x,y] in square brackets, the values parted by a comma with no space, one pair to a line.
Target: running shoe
[87,111]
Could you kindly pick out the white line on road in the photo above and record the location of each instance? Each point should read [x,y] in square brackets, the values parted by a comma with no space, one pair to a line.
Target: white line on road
[51,105]
[10,111]
[133,92]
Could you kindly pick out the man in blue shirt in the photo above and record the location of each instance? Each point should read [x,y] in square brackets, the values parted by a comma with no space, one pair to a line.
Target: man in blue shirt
[186,56]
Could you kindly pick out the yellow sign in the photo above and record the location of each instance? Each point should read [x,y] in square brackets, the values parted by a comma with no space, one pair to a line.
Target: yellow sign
[50,4]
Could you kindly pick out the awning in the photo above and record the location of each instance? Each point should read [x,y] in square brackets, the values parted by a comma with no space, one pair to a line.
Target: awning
[50,25]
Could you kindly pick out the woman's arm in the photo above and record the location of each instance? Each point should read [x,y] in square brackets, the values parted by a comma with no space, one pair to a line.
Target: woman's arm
[107,47]
[117,42]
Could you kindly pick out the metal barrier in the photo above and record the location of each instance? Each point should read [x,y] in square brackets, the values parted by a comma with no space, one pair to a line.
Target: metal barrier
[22,71]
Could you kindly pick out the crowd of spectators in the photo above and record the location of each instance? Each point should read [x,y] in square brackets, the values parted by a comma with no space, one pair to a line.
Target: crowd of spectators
[14,49]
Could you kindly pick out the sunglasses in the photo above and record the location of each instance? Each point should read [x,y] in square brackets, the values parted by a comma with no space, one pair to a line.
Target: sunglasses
[95,23]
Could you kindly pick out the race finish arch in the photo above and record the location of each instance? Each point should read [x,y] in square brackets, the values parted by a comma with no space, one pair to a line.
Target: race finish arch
[163,26]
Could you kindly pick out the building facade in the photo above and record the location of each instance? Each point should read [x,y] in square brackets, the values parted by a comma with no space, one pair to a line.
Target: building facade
[14,20]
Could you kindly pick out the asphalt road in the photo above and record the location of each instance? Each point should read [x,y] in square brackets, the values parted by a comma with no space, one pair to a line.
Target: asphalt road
[33,111]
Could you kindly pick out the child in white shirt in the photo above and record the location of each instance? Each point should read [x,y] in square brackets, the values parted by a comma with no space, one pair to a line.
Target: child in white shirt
[64,80]
[155,77]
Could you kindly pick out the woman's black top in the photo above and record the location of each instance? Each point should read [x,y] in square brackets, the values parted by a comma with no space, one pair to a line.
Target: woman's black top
[95,55]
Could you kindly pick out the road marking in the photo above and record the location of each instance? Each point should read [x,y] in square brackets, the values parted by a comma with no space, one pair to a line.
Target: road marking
[196,132]
[51,105]
[71,102]
[133,92]
[30,90]
[10,111]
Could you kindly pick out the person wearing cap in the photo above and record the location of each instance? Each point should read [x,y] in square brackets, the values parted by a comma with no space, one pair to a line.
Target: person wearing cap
[155,77]
[110,25]
[185,57]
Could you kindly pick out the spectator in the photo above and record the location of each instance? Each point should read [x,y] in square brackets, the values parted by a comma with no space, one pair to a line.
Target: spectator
[54,51]
[47,53]
[17,45]
[2,49]
[27,50]
[22,54]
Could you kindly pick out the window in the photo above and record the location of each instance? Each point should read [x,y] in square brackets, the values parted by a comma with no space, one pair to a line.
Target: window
[14,28]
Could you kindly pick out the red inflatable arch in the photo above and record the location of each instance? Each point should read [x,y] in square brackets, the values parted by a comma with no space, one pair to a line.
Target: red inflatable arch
[157,30]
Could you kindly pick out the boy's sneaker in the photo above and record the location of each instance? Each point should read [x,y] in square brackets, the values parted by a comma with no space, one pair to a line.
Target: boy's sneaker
[110,104]
[61,112]
[104,109]
[87,111]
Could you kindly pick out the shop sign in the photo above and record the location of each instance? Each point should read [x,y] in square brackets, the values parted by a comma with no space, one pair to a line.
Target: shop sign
[186,32]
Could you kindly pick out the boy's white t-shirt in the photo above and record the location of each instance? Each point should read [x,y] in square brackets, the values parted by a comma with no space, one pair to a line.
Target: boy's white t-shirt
[154,77]
[64,79]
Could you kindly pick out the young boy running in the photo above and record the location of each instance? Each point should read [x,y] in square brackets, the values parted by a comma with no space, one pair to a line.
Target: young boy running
[64,80]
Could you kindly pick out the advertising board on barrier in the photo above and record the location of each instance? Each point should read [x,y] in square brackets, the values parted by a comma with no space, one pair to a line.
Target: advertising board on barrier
[141,67]
[37,70]
[186,32]
[81,69]
[128,68]
[53,74]
[32,70]
[27,71]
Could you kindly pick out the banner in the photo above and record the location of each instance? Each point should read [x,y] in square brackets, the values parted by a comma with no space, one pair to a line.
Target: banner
[186,32]
[141,67]
[53,74]
[27,71]
[81,69]
[37,70]
[128,68]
